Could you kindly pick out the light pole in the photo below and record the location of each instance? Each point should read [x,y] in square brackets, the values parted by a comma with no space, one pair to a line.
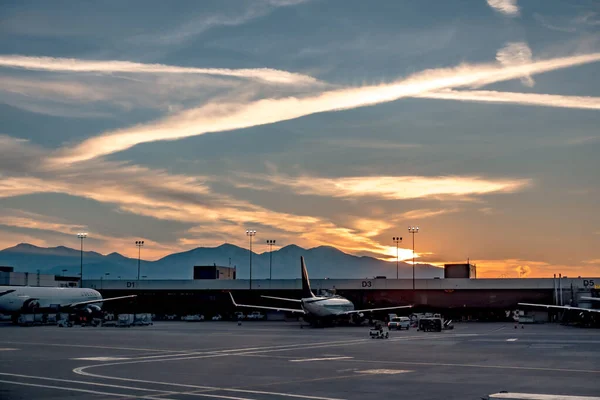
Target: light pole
[413,230]
[250,233]
[270,243]
[81,235]
[397,240]
[139,244]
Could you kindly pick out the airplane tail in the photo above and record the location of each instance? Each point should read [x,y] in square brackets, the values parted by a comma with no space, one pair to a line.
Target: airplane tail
[306,292]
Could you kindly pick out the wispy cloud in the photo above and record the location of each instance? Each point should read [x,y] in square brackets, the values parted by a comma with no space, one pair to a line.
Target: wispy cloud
[387,187]
[506,7]
[198,25]
[426,213]
[544,22]
[216,117]
[112,66]
[188,199]
[514,54]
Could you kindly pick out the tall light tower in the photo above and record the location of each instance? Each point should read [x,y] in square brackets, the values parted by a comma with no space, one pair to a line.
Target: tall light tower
[397,240]
[81,235]
[413,230]
[250,233]
[270,243]
[139,244]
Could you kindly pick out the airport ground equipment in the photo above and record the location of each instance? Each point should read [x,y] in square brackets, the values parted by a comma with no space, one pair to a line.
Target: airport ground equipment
[378,334]
[125,320]
[431,324]
[399,323]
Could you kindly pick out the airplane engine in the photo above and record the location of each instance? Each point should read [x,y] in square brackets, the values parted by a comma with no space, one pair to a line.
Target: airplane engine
[93,309]
[30,305]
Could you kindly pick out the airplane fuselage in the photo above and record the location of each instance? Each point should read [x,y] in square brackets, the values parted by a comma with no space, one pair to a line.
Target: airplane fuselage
[44,297]
[323,307]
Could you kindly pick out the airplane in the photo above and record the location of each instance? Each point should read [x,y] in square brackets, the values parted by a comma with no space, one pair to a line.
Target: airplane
[318,310]
[16,300]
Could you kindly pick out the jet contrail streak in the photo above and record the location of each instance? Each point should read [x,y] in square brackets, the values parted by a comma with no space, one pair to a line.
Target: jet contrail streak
[548,100]
[111,66]
[216,117]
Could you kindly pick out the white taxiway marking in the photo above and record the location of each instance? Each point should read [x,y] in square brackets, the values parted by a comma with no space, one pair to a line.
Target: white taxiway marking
[383,371]
[43,378]
[76,390]
[512,340]
[101,358]
[320,359]
[97,347]
[7,349]
[537,396]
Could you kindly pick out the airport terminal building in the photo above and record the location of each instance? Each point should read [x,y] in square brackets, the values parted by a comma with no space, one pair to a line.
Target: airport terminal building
[459,294]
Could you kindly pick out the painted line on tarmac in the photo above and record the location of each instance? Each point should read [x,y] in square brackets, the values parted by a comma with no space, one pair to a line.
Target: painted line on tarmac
[512,340]
[75,389]
[539,396]
[8,349]
[95,347]
[44,378]
[383,371]
[438,364]
[232,352]
[320,359]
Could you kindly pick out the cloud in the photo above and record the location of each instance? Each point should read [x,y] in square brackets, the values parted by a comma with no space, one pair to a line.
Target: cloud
[426,213]
[198,25]
[544,22]
[386,187]
[523,271]
[506,7]
[595,261]
[533,99]
[113,66]
[217,117]
[514,54]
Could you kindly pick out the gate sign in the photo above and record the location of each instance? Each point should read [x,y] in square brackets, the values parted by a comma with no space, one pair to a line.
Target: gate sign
[366,284]
[589,283]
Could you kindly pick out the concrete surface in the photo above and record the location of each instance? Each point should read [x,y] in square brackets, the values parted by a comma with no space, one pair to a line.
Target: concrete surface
[278,360]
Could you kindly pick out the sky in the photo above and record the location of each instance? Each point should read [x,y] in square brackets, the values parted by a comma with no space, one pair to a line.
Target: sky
[313,122]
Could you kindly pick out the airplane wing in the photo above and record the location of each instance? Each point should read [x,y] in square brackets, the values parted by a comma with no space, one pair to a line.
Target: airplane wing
[7,292]
[560,307]
[294,310]
[282,298]
[374,309]
[81,303]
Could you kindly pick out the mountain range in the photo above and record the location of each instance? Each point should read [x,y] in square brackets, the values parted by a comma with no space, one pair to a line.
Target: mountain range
[322,262]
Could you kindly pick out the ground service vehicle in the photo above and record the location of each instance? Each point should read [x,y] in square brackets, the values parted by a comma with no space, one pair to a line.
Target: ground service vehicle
[430,324]
[399,323]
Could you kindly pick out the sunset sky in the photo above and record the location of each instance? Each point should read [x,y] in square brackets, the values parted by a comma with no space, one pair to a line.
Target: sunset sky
[315,122]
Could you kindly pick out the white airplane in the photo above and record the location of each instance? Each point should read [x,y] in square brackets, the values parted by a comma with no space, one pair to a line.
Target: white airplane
[317,309]
[15,300]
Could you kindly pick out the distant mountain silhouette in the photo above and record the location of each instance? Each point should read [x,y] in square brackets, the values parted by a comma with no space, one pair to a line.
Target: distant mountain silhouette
[322,262]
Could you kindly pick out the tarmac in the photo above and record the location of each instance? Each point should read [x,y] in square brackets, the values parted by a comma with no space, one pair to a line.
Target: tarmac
[278,360]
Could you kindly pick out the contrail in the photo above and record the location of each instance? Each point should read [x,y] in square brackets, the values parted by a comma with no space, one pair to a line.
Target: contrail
[535,99]
[216,117]
[110,66]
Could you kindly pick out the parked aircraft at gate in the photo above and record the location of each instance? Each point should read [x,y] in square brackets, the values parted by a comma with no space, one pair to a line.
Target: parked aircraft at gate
[317,309]
[15,300]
